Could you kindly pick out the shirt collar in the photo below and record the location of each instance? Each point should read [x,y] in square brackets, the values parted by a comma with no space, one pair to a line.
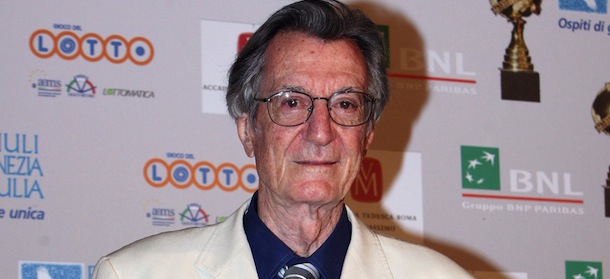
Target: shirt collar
[271,254]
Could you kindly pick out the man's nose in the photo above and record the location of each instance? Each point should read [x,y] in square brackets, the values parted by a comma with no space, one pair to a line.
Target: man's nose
[319,125]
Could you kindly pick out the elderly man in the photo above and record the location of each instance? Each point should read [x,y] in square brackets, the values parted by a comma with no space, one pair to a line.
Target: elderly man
[305,93]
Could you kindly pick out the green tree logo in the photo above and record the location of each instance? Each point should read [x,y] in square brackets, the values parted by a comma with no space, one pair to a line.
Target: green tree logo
[584,270]
[480,168]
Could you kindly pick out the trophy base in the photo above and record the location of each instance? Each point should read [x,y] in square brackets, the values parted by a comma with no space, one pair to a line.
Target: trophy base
[520,86]
[607,200]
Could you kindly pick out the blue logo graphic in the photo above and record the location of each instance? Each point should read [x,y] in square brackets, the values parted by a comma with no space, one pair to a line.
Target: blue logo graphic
[588,6]
[37,270]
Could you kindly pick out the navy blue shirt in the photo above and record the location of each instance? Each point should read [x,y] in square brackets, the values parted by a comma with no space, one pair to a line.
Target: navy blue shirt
[271,254]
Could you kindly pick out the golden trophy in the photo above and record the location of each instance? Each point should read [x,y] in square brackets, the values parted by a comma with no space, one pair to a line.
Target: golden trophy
[519,80]
[601,116]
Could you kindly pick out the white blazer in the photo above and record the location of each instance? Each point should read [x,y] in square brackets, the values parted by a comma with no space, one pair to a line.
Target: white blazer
[222,251]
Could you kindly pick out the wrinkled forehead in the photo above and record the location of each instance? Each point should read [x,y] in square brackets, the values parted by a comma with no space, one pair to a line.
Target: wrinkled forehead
[294,59]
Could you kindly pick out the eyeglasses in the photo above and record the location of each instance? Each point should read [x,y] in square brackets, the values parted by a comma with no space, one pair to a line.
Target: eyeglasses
[346,108]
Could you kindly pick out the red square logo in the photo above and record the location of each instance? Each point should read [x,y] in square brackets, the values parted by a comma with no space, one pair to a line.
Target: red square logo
[242,40]
[368,186]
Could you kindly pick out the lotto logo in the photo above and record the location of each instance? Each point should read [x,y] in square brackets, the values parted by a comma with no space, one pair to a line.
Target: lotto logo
[204,175]
[91,47]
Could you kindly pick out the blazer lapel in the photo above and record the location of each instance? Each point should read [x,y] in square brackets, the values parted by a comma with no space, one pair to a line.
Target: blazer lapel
[227,252]
[365,256]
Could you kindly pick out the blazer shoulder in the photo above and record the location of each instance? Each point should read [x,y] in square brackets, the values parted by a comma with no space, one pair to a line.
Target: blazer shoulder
[410,258]
[179,241]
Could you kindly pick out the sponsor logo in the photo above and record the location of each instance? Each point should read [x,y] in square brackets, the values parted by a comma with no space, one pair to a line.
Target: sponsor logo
[242,39]
[81,86]
[194,215]
[528,191]
[46,87]
[584,270]
[20,167]
[191,215]
[480,168]
[587,6]
[379,198]
[203,175]
[160,216]
[444,71]
[92,47]
[368,186]
[578,24]
[440,66]
[218,50]
[38,270]
[118,92]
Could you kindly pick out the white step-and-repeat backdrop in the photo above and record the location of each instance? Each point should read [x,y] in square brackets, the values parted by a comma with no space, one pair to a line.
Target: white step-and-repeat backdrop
[113,127]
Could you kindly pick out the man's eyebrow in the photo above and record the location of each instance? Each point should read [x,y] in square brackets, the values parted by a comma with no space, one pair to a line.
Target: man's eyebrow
[292,88]
[351,89]
[303,90]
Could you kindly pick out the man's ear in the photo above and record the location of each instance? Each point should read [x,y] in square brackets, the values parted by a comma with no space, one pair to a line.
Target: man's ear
[246,134]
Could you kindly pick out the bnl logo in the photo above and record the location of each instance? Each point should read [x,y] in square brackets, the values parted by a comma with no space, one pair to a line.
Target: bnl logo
[589,6]
[584,270]
[481,171]
[480,168]
[368,186]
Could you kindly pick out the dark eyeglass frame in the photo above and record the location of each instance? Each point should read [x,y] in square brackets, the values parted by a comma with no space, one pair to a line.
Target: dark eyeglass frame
[368,98]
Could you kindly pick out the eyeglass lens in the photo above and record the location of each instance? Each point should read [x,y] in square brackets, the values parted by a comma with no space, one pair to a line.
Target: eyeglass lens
[291,108]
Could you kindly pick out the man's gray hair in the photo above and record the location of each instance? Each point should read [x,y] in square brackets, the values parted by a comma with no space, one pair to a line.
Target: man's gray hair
[324,19]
